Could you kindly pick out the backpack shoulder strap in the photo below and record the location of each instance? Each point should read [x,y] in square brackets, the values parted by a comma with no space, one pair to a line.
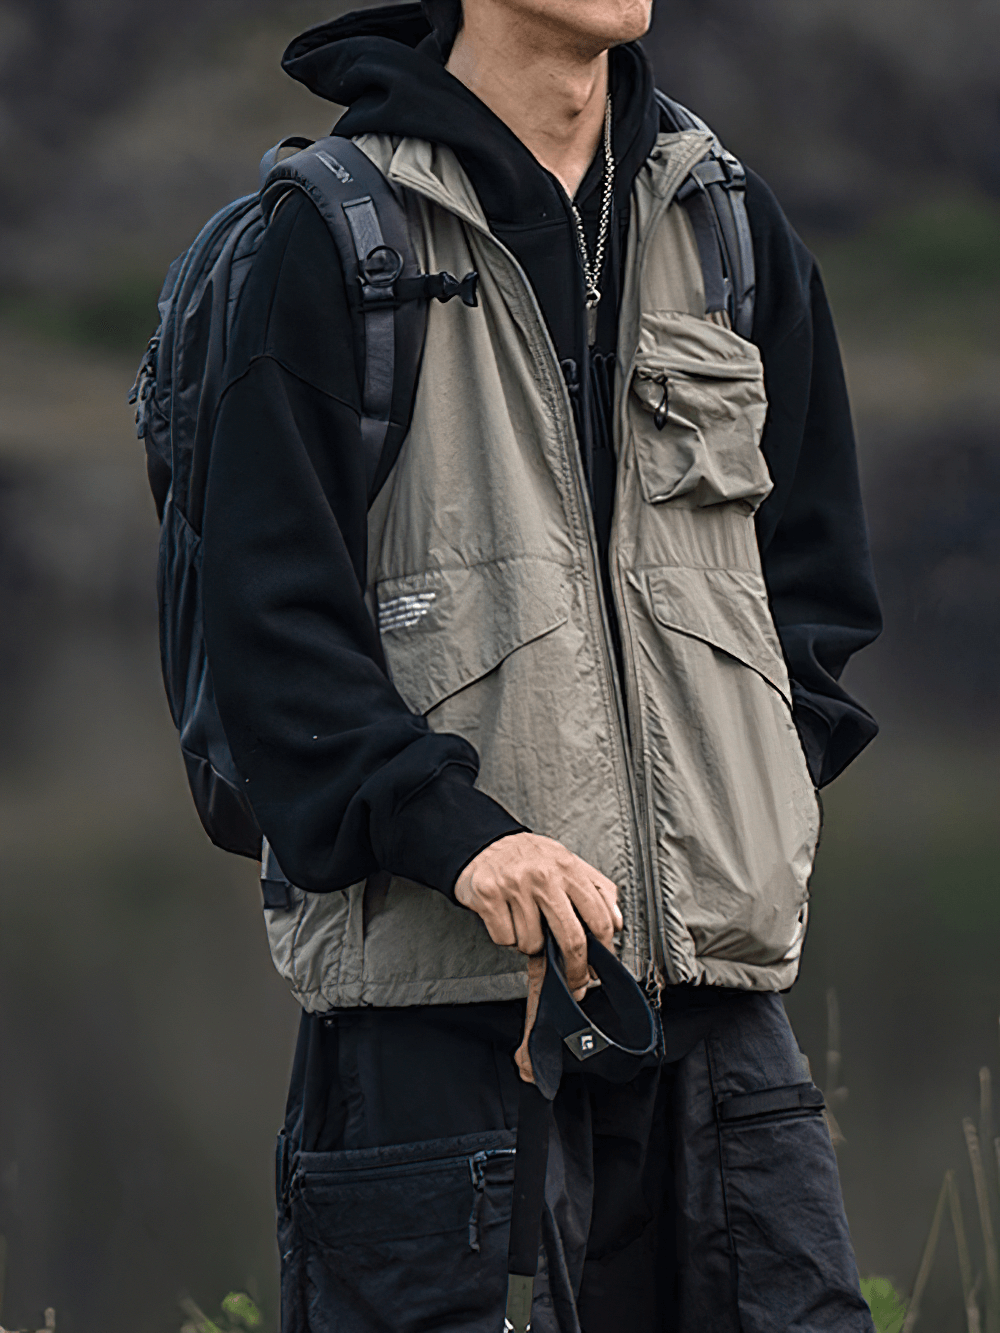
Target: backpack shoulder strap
[714,197]
[385,287]
[369,227]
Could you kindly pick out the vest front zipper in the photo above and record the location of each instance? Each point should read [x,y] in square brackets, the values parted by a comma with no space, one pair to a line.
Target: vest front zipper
[641,778]
[583,519]
[653,907]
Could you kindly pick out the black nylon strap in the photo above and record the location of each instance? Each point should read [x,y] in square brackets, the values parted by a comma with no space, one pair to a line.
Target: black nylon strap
[364,213]
[534,1123]
[714,196]
[380,335]
[706,236]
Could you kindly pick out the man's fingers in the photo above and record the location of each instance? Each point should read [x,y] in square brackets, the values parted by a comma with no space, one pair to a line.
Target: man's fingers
[500,924]
[568,933]
[527,919]
[617,923]
[608,891]
[536,975]
[595,911]
[519,878]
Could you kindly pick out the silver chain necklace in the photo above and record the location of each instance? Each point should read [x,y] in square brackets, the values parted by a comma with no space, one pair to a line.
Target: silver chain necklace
[592,271]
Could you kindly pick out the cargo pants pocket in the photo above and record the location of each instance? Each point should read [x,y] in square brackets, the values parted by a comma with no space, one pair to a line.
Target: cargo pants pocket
[410,1238]
[794,1263]
[763,1240]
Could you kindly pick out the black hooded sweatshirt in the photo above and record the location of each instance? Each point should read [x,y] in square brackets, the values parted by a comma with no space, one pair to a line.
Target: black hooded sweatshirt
[344,779]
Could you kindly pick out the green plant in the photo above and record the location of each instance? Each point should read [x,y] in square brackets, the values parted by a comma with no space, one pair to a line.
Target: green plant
[237,1313]
[887,1306]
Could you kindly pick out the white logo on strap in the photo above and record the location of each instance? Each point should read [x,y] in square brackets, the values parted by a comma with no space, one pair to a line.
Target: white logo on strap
[331,164]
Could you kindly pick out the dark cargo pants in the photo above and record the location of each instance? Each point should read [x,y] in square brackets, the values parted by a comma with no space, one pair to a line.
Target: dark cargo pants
[701,1197]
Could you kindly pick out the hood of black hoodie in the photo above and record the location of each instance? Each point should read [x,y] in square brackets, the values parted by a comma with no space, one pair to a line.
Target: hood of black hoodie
[385,66]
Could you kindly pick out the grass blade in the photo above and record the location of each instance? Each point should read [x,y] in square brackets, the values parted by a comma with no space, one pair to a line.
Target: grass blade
[927,1262]
[986,1223]
[986,1123]
[972,1306]
[961,1243]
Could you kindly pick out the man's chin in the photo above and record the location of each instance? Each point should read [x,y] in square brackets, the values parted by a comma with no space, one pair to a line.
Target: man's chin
[590,21]
[627,26]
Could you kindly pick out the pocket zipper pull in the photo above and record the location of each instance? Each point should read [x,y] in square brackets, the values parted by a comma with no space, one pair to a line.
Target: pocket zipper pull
[477,1170]
[660,412]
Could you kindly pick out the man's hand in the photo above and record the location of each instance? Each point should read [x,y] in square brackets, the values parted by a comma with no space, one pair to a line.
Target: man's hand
[519,879]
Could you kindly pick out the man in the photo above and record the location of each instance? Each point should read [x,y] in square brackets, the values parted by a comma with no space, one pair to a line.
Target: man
[614,606]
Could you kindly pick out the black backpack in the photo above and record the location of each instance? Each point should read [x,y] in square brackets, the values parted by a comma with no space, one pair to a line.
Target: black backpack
[177,392]
[177,388]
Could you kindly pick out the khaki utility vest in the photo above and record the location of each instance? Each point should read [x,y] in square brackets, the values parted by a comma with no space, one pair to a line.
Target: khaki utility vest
[483,568]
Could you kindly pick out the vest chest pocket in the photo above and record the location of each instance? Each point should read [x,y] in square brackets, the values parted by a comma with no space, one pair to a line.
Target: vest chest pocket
[445,629]
[696,410]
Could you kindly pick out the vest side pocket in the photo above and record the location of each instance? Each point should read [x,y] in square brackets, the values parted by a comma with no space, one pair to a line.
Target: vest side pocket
[697,407]
[735,812]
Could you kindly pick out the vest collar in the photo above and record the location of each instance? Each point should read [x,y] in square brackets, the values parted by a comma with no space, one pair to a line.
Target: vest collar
[434,171]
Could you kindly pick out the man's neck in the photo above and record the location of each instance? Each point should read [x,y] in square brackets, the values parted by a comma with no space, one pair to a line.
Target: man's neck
[546,86]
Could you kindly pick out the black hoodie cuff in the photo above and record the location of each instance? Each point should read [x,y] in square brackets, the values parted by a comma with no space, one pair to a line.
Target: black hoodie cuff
[438,830]
[833,733]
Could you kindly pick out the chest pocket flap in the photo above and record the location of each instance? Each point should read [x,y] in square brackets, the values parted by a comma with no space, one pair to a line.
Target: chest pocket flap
[446,628]
[697,410]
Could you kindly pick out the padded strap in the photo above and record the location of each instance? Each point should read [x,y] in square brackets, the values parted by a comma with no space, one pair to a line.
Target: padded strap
[706,235]
[369,226]
[714,197]
[377,304]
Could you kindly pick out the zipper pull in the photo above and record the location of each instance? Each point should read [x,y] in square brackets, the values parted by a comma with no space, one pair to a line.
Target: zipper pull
[592,321]
[477,1164]
[660,412]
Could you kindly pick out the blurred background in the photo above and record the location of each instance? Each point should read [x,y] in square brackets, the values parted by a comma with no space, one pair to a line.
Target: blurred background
[145,1041]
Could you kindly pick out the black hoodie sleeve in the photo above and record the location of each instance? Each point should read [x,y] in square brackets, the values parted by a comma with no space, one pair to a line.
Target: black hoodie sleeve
[811,529]
[344,779]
